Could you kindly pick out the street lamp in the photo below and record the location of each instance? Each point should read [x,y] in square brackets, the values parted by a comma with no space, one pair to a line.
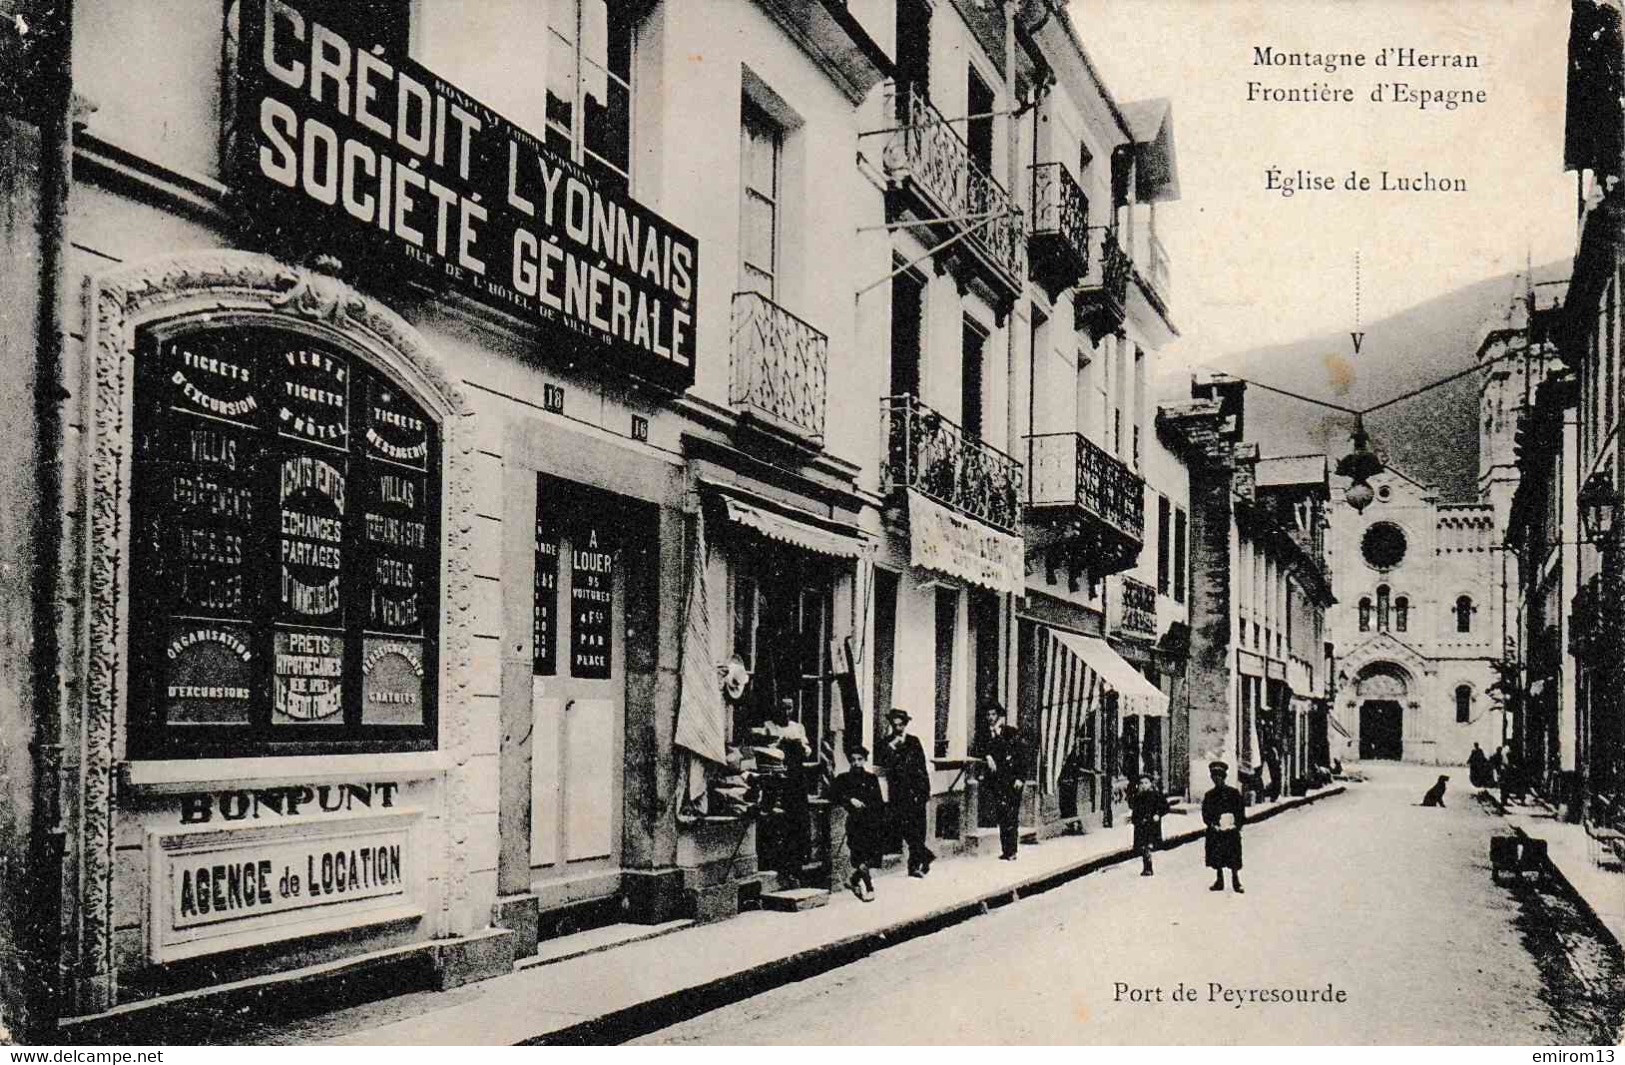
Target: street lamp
[1359,466]
[1599,507]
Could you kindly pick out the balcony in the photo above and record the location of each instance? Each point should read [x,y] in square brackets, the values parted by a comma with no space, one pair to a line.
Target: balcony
[1058,247]
[780,370]
[1080,496]
[1101,300]
[934,456]
[927,160]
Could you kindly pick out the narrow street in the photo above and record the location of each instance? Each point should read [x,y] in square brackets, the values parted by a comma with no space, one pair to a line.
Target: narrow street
[1382,899]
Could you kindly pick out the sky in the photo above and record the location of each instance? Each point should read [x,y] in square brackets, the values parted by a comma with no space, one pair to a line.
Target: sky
[1252,267]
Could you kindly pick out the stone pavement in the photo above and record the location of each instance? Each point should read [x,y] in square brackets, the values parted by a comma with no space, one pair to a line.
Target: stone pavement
[621,992]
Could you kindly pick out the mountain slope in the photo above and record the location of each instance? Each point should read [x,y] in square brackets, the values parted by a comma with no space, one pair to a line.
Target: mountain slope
[1432,437]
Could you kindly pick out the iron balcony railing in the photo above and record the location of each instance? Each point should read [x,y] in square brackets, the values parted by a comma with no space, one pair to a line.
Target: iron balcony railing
[1059,248]
[927,150]
[1103,293]
[927,452]
[780,368]
[1070,470]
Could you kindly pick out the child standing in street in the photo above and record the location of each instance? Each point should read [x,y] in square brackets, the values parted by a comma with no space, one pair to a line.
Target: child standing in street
[857,791]
[1147,806]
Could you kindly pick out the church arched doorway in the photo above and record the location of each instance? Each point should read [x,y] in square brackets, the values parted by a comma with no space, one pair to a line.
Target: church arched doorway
[1381,692]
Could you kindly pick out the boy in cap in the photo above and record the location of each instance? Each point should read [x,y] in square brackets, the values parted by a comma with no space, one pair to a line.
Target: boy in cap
[858,793]
[908,782]
[1223,812]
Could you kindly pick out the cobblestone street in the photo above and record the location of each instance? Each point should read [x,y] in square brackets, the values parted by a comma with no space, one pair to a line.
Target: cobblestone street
[1378,897]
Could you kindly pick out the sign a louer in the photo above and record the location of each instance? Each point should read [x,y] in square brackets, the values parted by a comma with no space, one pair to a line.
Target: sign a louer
[377,159]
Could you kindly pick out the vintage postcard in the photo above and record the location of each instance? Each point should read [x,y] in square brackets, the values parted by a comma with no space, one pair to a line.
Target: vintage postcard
[812,522]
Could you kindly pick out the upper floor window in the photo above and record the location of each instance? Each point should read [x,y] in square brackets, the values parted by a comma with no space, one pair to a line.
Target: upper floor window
[1164,535]
[1382,608]
[1365,613]
[979,121]
[1402,613]
[569,84]
[760,147]
[1464,613]
[1464,704]
[285,523]
[589,85]
[1179,554]
[971,374]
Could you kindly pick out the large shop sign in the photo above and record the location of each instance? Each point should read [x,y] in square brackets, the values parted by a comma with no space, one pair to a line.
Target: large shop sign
[379,160]
[963,547]
[215,889]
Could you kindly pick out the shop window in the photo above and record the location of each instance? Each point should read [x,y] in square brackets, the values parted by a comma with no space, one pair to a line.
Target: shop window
[782,606]
[285,500]
[885,586]
[1402,614]
[1464,613]
[947,625]
[760,149]
[1464,705]
[1365,613]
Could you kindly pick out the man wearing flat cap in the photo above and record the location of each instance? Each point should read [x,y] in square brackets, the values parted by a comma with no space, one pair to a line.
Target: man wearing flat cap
[1223,812]
[901,759]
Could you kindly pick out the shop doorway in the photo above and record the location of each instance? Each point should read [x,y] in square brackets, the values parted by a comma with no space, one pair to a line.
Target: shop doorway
[579,691]
[1381,729]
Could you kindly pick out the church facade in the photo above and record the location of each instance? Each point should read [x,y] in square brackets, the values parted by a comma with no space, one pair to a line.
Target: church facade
[1427,593]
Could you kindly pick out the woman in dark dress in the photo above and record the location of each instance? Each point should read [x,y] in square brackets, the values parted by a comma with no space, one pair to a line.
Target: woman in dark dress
[1147,806]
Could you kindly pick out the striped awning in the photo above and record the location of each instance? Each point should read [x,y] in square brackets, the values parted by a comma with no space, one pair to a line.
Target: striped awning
[1078,672]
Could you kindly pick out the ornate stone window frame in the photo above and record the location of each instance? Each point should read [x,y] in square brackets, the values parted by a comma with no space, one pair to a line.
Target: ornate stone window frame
[211,286]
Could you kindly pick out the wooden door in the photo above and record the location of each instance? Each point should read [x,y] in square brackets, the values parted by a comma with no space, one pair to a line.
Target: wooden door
[579,696]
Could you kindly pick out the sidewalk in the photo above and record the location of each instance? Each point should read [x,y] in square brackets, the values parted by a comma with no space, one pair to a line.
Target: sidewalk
[1602,890]
[609,995]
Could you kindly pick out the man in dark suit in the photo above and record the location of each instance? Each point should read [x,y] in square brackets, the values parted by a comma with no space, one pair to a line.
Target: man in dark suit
[1003,776]
[858,793]
[908,782]
[1223,812]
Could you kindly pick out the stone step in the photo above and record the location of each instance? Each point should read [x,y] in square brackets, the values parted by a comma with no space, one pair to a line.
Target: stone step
[792,900]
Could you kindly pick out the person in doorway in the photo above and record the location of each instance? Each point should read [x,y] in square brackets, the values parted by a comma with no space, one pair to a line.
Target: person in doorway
[857,791]
[908,783]
[1002,778]
[1478,768]
[1147,807]
[789,738]
[1223,813]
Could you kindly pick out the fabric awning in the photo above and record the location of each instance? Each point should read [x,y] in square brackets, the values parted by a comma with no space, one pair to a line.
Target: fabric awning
[1331,719]
[962,547]
[811,534]
[1135,694]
